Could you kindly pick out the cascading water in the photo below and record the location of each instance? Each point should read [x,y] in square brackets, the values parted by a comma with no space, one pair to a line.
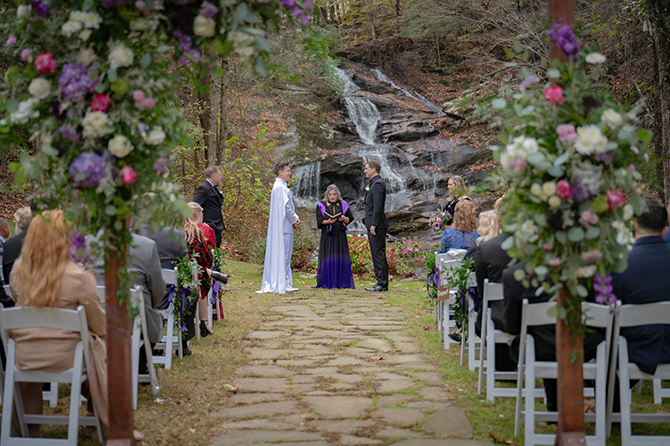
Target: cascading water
[306,186]
[365,116]
[410,94]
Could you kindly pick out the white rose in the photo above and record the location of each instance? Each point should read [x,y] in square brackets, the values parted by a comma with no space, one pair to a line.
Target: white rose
[586,271]
[25,112]
[549,188]
[521,146]
[595,58]
[92,20]
[85,34]
[70,27]
[590,140]
[78,16]
[628,212]
[39,88]
[554,201]
[204,26]
[245,53]
[143,24]
[119,146]
[122,55]
[23,11]
[536,190]
[46,138]
[95,124]
[612,119]
[155,137]
[623,236]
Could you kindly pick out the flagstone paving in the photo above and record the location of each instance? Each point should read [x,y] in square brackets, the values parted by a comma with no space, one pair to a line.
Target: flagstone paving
[339,371]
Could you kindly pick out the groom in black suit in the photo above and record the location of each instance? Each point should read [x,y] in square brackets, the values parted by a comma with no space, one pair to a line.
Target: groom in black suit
[376,224]
[208,196]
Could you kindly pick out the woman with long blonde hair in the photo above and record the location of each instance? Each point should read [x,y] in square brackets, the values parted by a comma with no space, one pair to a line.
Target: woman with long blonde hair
[489,226]
[457,191]
[46,276]
[462,233]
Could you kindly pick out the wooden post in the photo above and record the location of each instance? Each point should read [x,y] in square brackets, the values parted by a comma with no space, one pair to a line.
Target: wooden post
[120,431]
[570,390]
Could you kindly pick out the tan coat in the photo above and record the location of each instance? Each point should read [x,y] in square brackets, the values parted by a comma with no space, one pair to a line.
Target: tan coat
[53,350]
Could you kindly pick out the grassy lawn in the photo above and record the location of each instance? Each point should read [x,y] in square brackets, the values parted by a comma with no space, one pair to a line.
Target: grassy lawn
[490,421]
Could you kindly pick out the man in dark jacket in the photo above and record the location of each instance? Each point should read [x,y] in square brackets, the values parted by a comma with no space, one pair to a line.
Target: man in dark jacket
[544,335]
[171,245]
[376,224]
[210,198]
[645,281]
[13,245]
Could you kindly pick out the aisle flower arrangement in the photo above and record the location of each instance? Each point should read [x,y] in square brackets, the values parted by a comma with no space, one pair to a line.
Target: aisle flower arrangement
[437,220]
[91,83]
[571,155]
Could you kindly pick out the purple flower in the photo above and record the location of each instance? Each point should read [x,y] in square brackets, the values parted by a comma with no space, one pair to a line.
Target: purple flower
[208,10]
[76,81]
[56,110]
[527,82]
[143,129]
[565,39]
[604,289]
[88,169]
[41,9]
[78,252]
[183,60]
[585,183]
[25,54]
[112,3]
[78,240]
[68,132]
[11,41]
[605,157]
[160,165]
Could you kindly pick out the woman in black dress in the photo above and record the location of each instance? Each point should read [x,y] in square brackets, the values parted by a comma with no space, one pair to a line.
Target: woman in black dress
[457,190]
[332,217]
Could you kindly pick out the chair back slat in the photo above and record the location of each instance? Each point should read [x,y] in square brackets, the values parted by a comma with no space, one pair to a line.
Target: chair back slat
[102,294]
[8,291]
[492,291]
[537,314]
[170,276]
[39,317]
[644,314]
[597,316]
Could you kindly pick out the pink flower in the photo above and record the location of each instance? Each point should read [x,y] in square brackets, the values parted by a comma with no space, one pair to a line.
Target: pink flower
[419,260]
[128,175]
[518,165]
[589,218]
[615,199]
[101,102]
[404,251]
[631,168]
[138,95]
[142,6]
[566,133]
[547,247]
[44,63]
[25,54]
[635,150]
[147,103]
[563,189]
[646,157]
[555,95]
[555,261]
[361,260]
[11,41]
[592,256]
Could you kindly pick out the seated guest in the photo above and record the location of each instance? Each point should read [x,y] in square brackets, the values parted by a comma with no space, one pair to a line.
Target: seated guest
[12,249]
[490,262]
[545,336]
[457,191]
[171,246]
[4,233]
[46,276]
[461,234]
[646,280]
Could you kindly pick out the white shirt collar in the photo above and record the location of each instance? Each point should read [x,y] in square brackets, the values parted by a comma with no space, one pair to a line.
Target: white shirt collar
[210,182]
[2,239]
[283,181]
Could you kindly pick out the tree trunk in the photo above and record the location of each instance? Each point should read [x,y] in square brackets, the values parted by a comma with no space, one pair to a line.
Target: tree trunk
[658,12]
[222,134]
[208,99]
[397,8]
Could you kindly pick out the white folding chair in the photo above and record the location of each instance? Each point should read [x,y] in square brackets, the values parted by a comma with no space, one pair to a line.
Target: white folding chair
[473,343]
[45,317]
[534,315]
[490,337]
[169,341]
[137,342]
[445,298]
[634,316]
[8,291]
[215,308]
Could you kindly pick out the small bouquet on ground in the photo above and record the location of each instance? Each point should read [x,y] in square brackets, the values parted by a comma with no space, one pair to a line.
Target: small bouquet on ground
[438,219]
[458,278]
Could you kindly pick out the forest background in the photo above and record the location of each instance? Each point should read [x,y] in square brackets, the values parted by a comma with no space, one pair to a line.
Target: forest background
[454,52]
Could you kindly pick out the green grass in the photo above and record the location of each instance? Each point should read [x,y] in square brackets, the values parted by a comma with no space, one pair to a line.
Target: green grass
[488,419]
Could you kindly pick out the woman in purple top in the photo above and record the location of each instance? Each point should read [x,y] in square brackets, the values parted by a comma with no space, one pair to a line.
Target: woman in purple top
[332,217]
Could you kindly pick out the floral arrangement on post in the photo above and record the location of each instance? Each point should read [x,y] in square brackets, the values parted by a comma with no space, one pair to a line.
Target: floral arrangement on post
[186,291]
[571,156]
[438,219]
[459,279]
[91,83]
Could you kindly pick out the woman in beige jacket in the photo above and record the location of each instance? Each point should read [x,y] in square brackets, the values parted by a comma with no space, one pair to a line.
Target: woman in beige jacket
[46,276]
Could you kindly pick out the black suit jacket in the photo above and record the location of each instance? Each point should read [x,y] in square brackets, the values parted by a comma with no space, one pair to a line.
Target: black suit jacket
[375,201]
[646,280]
[211,200]
[490,261]
[171,245]
[12,251]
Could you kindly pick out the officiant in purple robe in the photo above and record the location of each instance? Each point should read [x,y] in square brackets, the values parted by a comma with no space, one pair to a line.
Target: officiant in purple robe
[332,217]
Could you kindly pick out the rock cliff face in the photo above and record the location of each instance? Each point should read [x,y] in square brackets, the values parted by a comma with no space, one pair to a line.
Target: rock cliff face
[404,131]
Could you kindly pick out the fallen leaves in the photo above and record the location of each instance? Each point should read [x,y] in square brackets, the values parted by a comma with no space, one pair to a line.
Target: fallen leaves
[499,440]
[230,388]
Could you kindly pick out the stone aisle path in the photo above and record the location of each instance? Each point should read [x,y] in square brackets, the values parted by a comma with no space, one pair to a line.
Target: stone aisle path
[339,371]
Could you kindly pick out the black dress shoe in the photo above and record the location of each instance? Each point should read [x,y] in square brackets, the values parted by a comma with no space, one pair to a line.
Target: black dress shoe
[377,288]
[223,278]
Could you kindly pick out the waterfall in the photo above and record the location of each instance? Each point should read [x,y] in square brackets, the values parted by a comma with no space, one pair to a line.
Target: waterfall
[394,181]
[410,94]
[306,185]
[347,84]
[365,117]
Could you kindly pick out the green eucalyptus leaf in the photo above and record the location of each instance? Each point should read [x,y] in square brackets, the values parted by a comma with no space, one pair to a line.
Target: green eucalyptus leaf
[592,232]
[12,105]
[49,151]
[112,75]
[555,171]
[535,158]
[508,243]
[575,234]
[145,61]
[554,73]
[163,48]
[519,275]
[582,291]
[541,270]
[499,103]
[562,238]
[260,67]
[110,209]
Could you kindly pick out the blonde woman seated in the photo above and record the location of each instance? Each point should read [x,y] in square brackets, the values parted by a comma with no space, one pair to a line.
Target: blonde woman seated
[461,234]
[489,228]
[46,276]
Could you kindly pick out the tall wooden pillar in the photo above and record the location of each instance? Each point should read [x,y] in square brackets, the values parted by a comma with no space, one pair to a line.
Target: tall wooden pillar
[120,431]
[571,430]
